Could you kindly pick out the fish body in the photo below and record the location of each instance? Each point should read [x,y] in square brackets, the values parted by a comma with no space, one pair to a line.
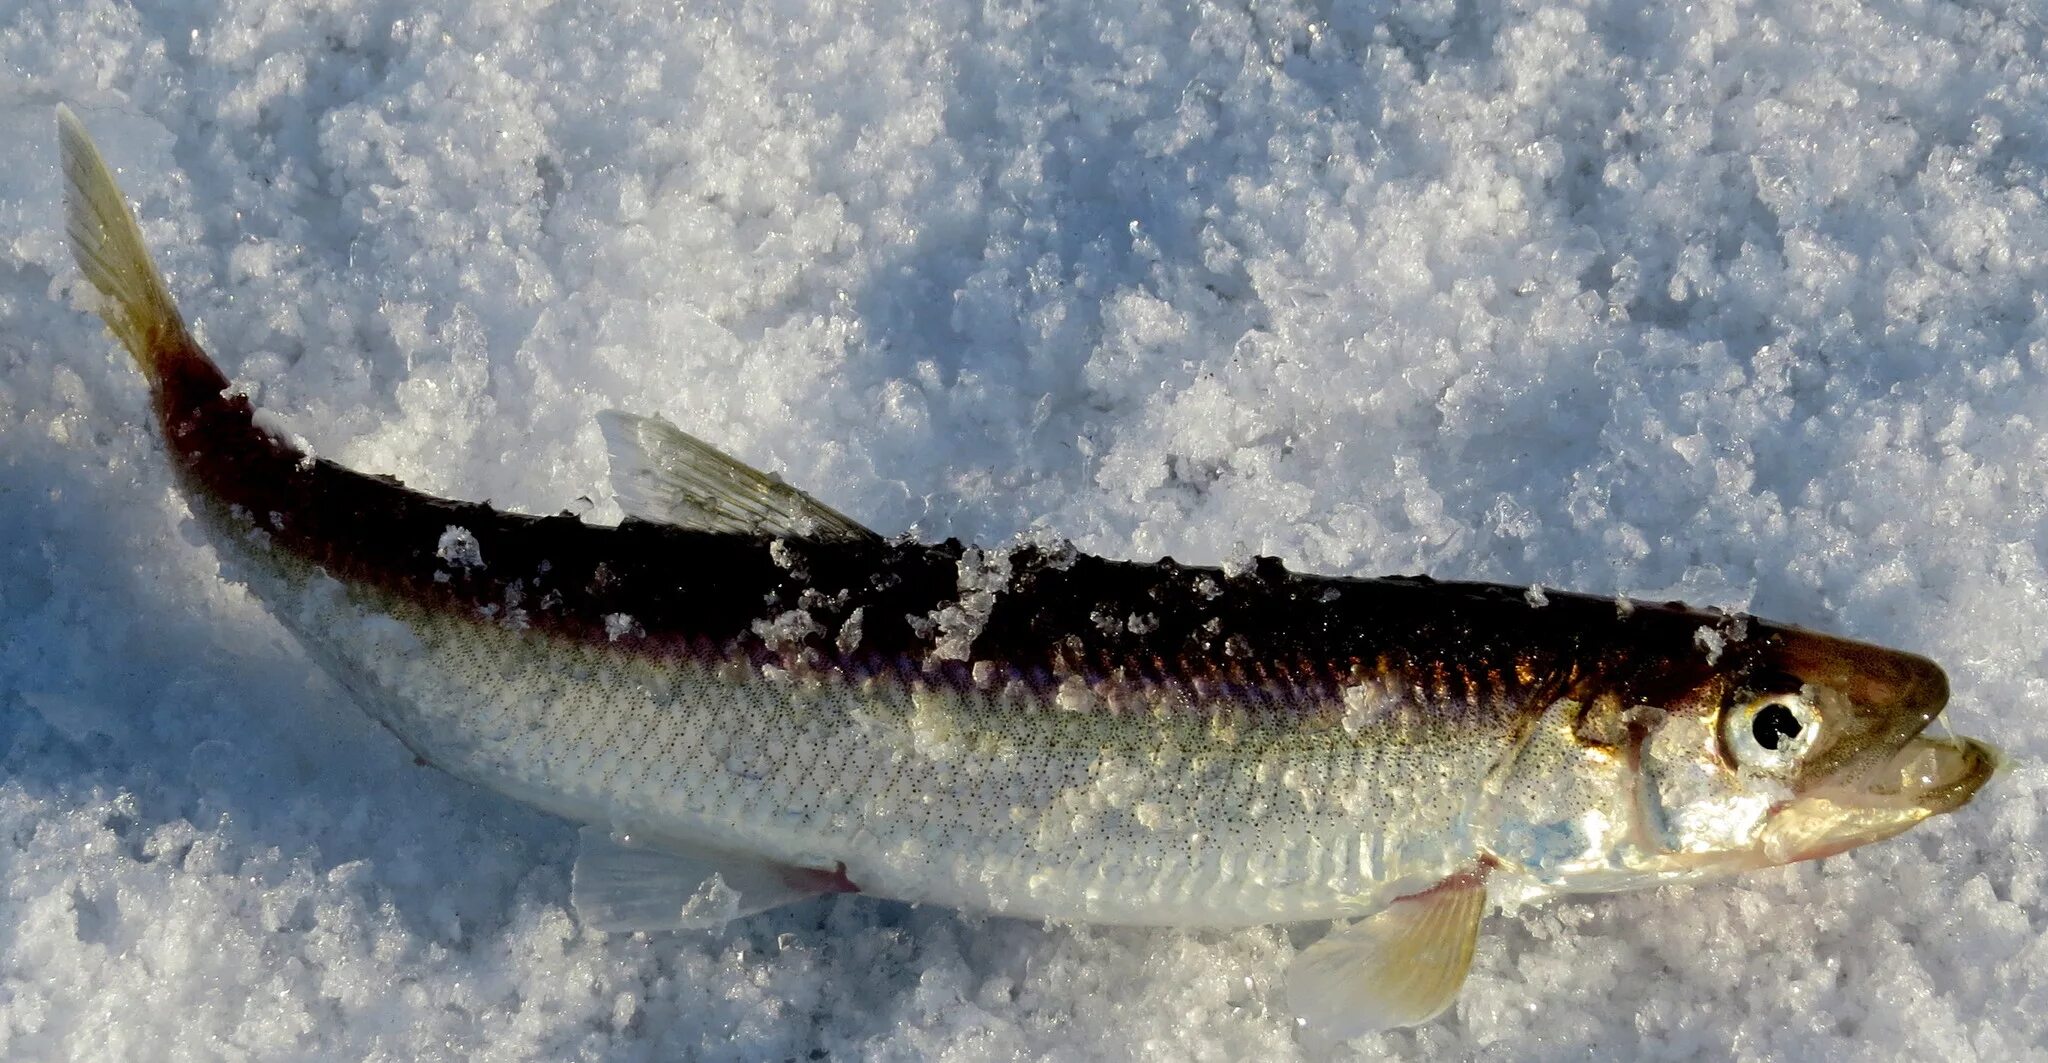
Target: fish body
[747,698]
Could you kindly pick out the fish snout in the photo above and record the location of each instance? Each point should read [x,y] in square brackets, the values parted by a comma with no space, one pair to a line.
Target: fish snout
[1915,688]
[1873,678]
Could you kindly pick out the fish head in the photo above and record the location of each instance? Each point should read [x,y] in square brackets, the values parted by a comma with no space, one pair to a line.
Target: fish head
[1804,745]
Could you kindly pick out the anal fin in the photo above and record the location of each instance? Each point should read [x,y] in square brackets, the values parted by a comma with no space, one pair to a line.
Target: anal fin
[1400,967]
[630,882]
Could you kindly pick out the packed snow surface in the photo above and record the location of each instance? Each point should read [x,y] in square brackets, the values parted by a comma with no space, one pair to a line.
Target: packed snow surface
[1740,302]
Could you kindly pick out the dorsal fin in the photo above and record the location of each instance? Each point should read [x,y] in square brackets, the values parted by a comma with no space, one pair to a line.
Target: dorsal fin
[666,475]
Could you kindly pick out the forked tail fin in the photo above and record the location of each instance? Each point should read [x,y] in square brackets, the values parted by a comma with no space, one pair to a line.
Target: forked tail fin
[108,246]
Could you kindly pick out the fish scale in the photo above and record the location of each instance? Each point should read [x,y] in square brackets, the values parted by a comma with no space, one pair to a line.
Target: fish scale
[748,699]
[912,770]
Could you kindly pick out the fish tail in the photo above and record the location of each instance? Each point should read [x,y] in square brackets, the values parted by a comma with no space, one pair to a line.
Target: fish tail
[108,245]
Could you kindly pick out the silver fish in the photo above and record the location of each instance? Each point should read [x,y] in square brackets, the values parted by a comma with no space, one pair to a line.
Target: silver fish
[747,699]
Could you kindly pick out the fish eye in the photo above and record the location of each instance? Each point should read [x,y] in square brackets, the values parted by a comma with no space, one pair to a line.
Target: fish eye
[1773,724]
[1770,732]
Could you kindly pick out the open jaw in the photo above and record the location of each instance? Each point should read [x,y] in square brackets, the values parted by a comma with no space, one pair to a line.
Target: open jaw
[1924,777]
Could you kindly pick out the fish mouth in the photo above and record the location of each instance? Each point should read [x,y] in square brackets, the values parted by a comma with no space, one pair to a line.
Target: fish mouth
[1933,775]
[1924,777]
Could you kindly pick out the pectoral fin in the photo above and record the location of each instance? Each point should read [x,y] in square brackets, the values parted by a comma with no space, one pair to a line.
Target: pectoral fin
[666,475]
[1400,967]
[625,883]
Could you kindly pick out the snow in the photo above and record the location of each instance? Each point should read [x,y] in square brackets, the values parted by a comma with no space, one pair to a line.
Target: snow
[1734,301]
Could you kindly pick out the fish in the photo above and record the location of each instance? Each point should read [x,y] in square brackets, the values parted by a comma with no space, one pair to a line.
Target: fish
[746,699]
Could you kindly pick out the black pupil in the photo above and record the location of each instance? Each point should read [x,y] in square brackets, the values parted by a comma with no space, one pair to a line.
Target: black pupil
[1773,724]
